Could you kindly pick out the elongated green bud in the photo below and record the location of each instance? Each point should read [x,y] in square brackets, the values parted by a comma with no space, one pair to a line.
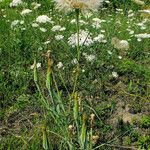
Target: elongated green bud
[76,106]
[48,75]
[83,136]
[45,139]
[35,72]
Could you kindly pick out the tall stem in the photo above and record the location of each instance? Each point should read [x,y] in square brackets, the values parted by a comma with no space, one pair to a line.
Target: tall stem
[77,12]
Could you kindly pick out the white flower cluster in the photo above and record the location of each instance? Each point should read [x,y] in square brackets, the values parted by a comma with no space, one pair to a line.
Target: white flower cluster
[142,36]
[100,38]
[97,22]
[43,19]
[35,5]
[90,57]
[120,44]
[147,11]
[26,11]
[84,39]
[16,23]
[15,3]
[58,28]
[139,2]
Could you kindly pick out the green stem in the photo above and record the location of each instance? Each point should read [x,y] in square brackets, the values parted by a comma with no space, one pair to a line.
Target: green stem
[77,12]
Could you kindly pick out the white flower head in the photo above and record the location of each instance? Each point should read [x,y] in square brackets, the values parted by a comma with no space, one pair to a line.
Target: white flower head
[90,57]
[120,44]
[43,29]
[56,28]
[143,36]
[59,37]
[115,74]
[15,3]
[78,4]
[43,19]
[60,65]
[34,25]
[84,39]
[26,11]
[38,65]
[35,5]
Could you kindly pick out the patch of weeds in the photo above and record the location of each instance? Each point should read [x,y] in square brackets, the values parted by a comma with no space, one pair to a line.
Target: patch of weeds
[145,121]
[144,142]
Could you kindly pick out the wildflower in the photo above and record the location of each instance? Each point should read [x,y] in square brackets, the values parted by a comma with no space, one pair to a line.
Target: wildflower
[56,28]
[62,29]
[35,5]
[85,39]
[60,65]
[109,52]
[59,37]
[38,65]
[35,25]
[14,23]
[74,61]
[139,2]
[99,38]
[89,58]
[22,22]
[145,11]
[120,57]
[142,36]
[26,11]
[43,19]
[115,74]
[47,42]
[120,44]
[15,3]
[43,29]
[83,5]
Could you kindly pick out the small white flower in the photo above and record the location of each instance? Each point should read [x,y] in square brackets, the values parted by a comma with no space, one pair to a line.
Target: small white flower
[22,22]
[60,65]
[15,3]
[84,39]
[74,61]
[109,52]
[35,5]
[89,58]
[14,23]
[59,37]
[99,38]
[56,28]
[43,19]
[143,36]
[47,42]
[26,11]
[120,44]
[83,70]
[38,65]
[35,25]
[115,74]
[139,39]
[62,29]
[145,11]
[139,2]
[43,29]
[120,57]
[73,21]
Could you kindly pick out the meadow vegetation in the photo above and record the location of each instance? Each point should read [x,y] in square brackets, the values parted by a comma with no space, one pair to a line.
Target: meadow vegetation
[74,79]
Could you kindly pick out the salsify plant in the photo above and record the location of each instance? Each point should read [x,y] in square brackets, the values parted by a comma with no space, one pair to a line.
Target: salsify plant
[70,120]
